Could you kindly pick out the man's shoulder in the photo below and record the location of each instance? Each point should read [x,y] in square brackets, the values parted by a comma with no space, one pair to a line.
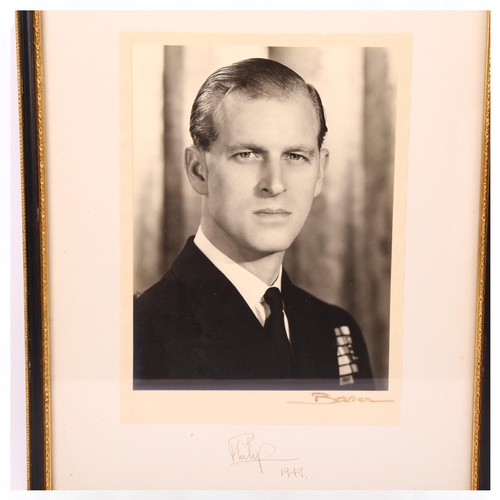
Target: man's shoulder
[163,308]
[169,293]
[163,291]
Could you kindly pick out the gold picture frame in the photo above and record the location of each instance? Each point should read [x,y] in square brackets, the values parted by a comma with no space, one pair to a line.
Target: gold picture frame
[36,178]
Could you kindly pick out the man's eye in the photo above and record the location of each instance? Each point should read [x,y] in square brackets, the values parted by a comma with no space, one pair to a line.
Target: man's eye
[295,157]
[245,155]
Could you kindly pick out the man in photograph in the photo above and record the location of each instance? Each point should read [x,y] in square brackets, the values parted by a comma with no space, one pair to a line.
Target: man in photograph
[227,310]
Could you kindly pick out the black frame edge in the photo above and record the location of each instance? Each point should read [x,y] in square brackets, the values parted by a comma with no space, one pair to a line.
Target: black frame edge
[32,245]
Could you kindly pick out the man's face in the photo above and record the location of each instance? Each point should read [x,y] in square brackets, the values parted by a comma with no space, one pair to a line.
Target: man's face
[262,174]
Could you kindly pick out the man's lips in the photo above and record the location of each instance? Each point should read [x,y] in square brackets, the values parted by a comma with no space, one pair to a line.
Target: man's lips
[272,211]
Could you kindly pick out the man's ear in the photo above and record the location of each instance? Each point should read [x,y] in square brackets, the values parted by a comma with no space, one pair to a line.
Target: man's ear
[196,169]
[324,156]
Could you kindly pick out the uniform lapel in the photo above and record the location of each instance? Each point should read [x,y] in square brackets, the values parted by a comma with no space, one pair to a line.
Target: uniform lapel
[311,333]
[212,297]
[232,343]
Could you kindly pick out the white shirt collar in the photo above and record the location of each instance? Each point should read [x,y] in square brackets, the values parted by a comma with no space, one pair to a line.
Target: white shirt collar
[251,288]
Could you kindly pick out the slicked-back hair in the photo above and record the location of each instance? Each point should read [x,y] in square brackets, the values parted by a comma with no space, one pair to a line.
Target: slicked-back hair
[251,78]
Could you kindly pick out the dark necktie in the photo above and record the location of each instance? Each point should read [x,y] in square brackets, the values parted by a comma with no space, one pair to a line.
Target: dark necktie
[275,327]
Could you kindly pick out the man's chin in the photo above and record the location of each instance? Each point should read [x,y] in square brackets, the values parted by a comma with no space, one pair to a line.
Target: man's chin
[272,246]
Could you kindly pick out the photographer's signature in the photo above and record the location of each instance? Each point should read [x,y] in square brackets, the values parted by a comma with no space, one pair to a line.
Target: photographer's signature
[323,398]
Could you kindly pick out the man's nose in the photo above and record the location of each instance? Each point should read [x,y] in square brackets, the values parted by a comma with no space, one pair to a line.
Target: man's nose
[272,181]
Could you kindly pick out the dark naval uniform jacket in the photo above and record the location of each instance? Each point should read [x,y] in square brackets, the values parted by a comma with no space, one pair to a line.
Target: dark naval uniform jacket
[193,329]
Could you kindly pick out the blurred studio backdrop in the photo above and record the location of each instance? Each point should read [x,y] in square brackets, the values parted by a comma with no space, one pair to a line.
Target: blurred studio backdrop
[343,254]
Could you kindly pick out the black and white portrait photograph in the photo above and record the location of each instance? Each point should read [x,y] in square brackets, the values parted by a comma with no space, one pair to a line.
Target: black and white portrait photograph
[263,207]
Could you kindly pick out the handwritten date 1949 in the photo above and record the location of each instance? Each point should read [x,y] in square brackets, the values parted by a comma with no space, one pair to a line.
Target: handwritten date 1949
[293,472]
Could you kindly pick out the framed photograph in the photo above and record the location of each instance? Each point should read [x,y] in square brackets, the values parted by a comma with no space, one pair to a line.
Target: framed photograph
[265,248]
